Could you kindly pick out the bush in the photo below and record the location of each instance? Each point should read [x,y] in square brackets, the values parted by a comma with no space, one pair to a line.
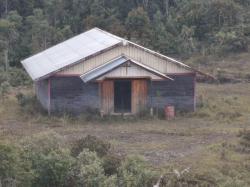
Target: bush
[51,161]
[53,169]
[4,89]
[134,172]
[15,77]
[13,170]
[43,143]
[111,163]
[93,144]
[29,104]
[230,41]
[18,77]
[245,141]
[90,171]
[177,178]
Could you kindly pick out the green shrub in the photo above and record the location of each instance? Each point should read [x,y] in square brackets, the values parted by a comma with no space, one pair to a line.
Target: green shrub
[230,41]
[111,163]
[43,143]
[15,77]
[93,144]
[51,161]
[186,178]
[29,104]
[111,181]
[244,141]
[90,171]
[134,172]
[14,171]
[4,84]
[4,89]
[18,77]
[53,169]
[3,76]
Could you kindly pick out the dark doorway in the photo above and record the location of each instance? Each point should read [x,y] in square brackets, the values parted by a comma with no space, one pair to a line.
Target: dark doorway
[122,96]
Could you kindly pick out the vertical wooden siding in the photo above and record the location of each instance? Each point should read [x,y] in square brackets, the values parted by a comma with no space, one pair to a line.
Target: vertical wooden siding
[107,94]
[135,53]
[139,95]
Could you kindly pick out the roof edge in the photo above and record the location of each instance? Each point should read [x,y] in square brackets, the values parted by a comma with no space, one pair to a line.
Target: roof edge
[79,61]
[158,54]
[153,71]
[122,42]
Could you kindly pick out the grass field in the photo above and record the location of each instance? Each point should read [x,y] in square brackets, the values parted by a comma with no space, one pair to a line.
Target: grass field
[204,140]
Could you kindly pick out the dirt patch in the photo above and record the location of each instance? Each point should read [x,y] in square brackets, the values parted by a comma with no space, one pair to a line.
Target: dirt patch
[156,142]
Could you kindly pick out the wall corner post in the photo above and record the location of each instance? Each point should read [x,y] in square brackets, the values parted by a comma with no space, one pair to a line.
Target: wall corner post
[194,82]
[49,96]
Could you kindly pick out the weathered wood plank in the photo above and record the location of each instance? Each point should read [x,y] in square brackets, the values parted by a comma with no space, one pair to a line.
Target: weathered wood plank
[139,95]
[107,94]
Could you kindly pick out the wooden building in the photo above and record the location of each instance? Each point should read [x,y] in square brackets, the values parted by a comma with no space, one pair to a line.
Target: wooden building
[100,71]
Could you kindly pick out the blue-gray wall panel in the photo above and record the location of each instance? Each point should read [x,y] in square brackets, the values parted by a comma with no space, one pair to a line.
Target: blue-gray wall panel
[72,95]
[179,92]
[42,92]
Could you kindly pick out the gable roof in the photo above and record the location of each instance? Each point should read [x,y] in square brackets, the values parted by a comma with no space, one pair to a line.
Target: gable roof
[68,52]
[109,66]
[76,50]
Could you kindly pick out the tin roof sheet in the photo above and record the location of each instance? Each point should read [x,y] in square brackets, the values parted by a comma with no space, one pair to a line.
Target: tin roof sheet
[76,49]
[68,52]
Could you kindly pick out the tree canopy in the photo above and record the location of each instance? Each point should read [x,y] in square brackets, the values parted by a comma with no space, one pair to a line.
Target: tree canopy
[172,27]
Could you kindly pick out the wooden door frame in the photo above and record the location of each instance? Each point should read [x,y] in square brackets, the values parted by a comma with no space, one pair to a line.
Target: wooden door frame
[134,110]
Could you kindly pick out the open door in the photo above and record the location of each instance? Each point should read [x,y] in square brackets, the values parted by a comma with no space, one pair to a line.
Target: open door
[122,96]
[139,95]
[107,96]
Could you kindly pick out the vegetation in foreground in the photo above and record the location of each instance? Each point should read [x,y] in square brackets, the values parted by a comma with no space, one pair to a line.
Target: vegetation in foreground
[207,148]
[44,160]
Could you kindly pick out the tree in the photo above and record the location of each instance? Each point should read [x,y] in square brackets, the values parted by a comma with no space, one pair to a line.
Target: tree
[187,40]
[39,31]
[137,23]
[169,26]
[9,35]
[4,89]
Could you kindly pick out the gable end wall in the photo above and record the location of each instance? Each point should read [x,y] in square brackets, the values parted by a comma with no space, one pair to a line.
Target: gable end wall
[135,53]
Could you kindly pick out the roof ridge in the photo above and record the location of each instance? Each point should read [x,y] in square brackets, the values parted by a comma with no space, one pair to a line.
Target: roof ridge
[101,39]
[110,34]
[140,46]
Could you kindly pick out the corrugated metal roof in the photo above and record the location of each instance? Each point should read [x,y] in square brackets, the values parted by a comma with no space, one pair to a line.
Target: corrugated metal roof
[76,50]
[97,72]
[109,66]
[68,52]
